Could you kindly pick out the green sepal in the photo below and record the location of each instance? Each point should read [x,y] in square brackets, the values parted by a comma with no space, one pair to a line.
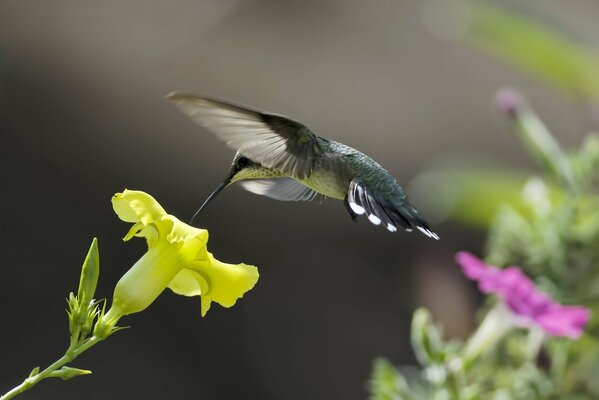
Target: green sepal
[66,373]
[103,327]
[93,311]
[73,312]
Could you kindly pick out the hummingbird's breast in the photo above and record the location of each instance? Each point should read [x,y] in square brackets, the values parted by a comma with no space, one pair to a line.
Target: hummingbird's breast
[331,176]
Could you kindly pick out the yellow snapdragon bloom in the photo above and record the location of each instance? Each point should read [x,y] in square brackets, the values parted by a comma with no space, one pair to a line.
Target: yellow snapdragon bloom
[177,258]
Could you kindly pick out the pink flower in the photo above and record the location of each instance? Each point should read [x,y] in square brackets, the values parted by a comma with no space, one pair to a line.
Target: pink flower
[523,299]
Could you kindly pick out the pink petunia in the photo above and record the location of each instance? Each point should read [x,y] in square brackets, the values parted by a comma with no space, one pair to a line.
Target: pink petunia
[521,296]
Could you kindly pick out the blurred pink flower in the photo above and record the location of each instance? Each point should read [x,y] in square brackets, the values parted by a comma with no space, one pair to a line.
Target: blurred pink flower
[524,299]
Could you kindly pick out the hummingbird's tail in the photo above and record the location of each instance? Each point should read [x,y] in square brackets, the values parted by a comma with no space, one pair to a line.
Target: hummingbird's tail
[411,218]
[391,213]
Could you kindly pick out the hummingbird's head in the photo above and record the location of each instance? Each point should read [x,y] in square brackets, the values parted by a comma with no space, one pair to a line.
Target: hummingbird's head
[241,168]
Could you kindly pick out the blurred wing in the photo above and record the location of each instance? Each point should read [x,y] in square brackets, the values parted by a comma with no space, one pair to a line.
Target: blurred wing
[272,140]
[362,200]
[285,189]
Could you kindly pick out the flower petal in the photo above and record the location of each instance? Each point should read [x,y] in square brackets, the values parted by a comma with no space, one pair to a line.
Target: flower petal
[215,281]
[179,232]
[227,283]
[566,321]
[522,297]
[189,283]
[136,206]
[472,266]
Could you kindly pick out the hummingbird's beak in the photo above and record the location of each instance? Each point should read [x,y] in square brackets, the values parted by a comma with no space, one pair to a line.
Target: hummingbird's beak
[216,191]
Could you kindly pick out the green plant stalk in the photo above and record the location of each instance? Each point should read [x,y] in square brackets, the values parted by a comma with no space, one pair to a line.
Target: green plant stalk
[541,143]
[493,328]
[452,382]
[72,353]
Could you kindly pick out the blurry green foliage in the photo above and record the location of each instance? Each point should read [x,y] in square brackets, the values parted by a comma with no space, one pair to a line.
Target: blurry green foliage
[537,48]
[549,226]
[471,195]
[387,383]
[546,224]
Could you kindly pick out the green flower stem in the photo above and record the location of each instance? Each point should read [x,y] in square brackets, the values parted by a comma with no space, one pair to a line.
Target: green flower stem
[536,337]
[72,353]
[453,386]
[75,337]
[495,325]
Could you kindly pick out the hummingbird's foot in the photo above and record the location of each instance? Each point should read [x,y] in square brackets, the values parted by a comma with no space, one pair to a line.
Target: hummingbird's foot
[351,212]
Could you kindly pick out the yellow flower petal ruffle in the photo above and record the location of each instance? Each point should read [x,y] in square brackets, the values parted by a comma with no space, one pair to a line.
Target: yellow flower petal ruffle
[215,281]
[136,206]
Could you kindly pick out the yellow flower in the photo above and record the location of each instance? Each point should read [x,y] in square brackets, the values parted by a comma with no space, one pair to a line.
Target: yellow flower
[177,258]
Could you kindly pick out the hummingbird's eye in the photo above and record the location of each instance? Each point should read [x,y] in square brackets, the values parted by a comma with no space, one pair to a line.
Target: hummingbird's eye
[243,161]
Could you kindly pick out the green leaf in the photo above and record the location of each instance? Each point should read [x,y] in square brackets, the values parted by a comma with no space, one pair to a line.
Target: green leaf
[34,372]
[426,338]
[66,373]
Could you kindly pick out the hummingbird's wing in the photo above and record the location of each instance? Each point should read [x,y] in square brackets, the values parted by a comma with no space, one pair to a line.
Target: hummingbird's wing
[285,189]
[272,140]
[362,200]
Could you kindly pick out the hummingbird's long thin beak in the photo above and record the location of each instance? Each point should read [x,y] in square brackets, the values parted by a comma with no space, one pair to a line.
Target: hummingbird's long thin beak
[216,191]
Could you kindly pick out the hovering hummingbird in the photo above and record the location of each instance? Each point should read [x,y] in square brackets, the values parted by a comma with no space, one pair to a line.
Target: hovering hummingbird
[282,159]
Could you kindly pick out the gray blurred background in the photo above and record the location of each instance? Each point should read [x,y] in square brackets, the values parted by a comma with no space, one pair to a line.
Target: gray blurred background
[83,115]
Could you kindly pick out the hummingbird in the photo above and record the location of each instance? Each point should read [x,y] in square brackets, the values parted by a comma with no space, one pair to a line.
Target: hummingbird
[283,159]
